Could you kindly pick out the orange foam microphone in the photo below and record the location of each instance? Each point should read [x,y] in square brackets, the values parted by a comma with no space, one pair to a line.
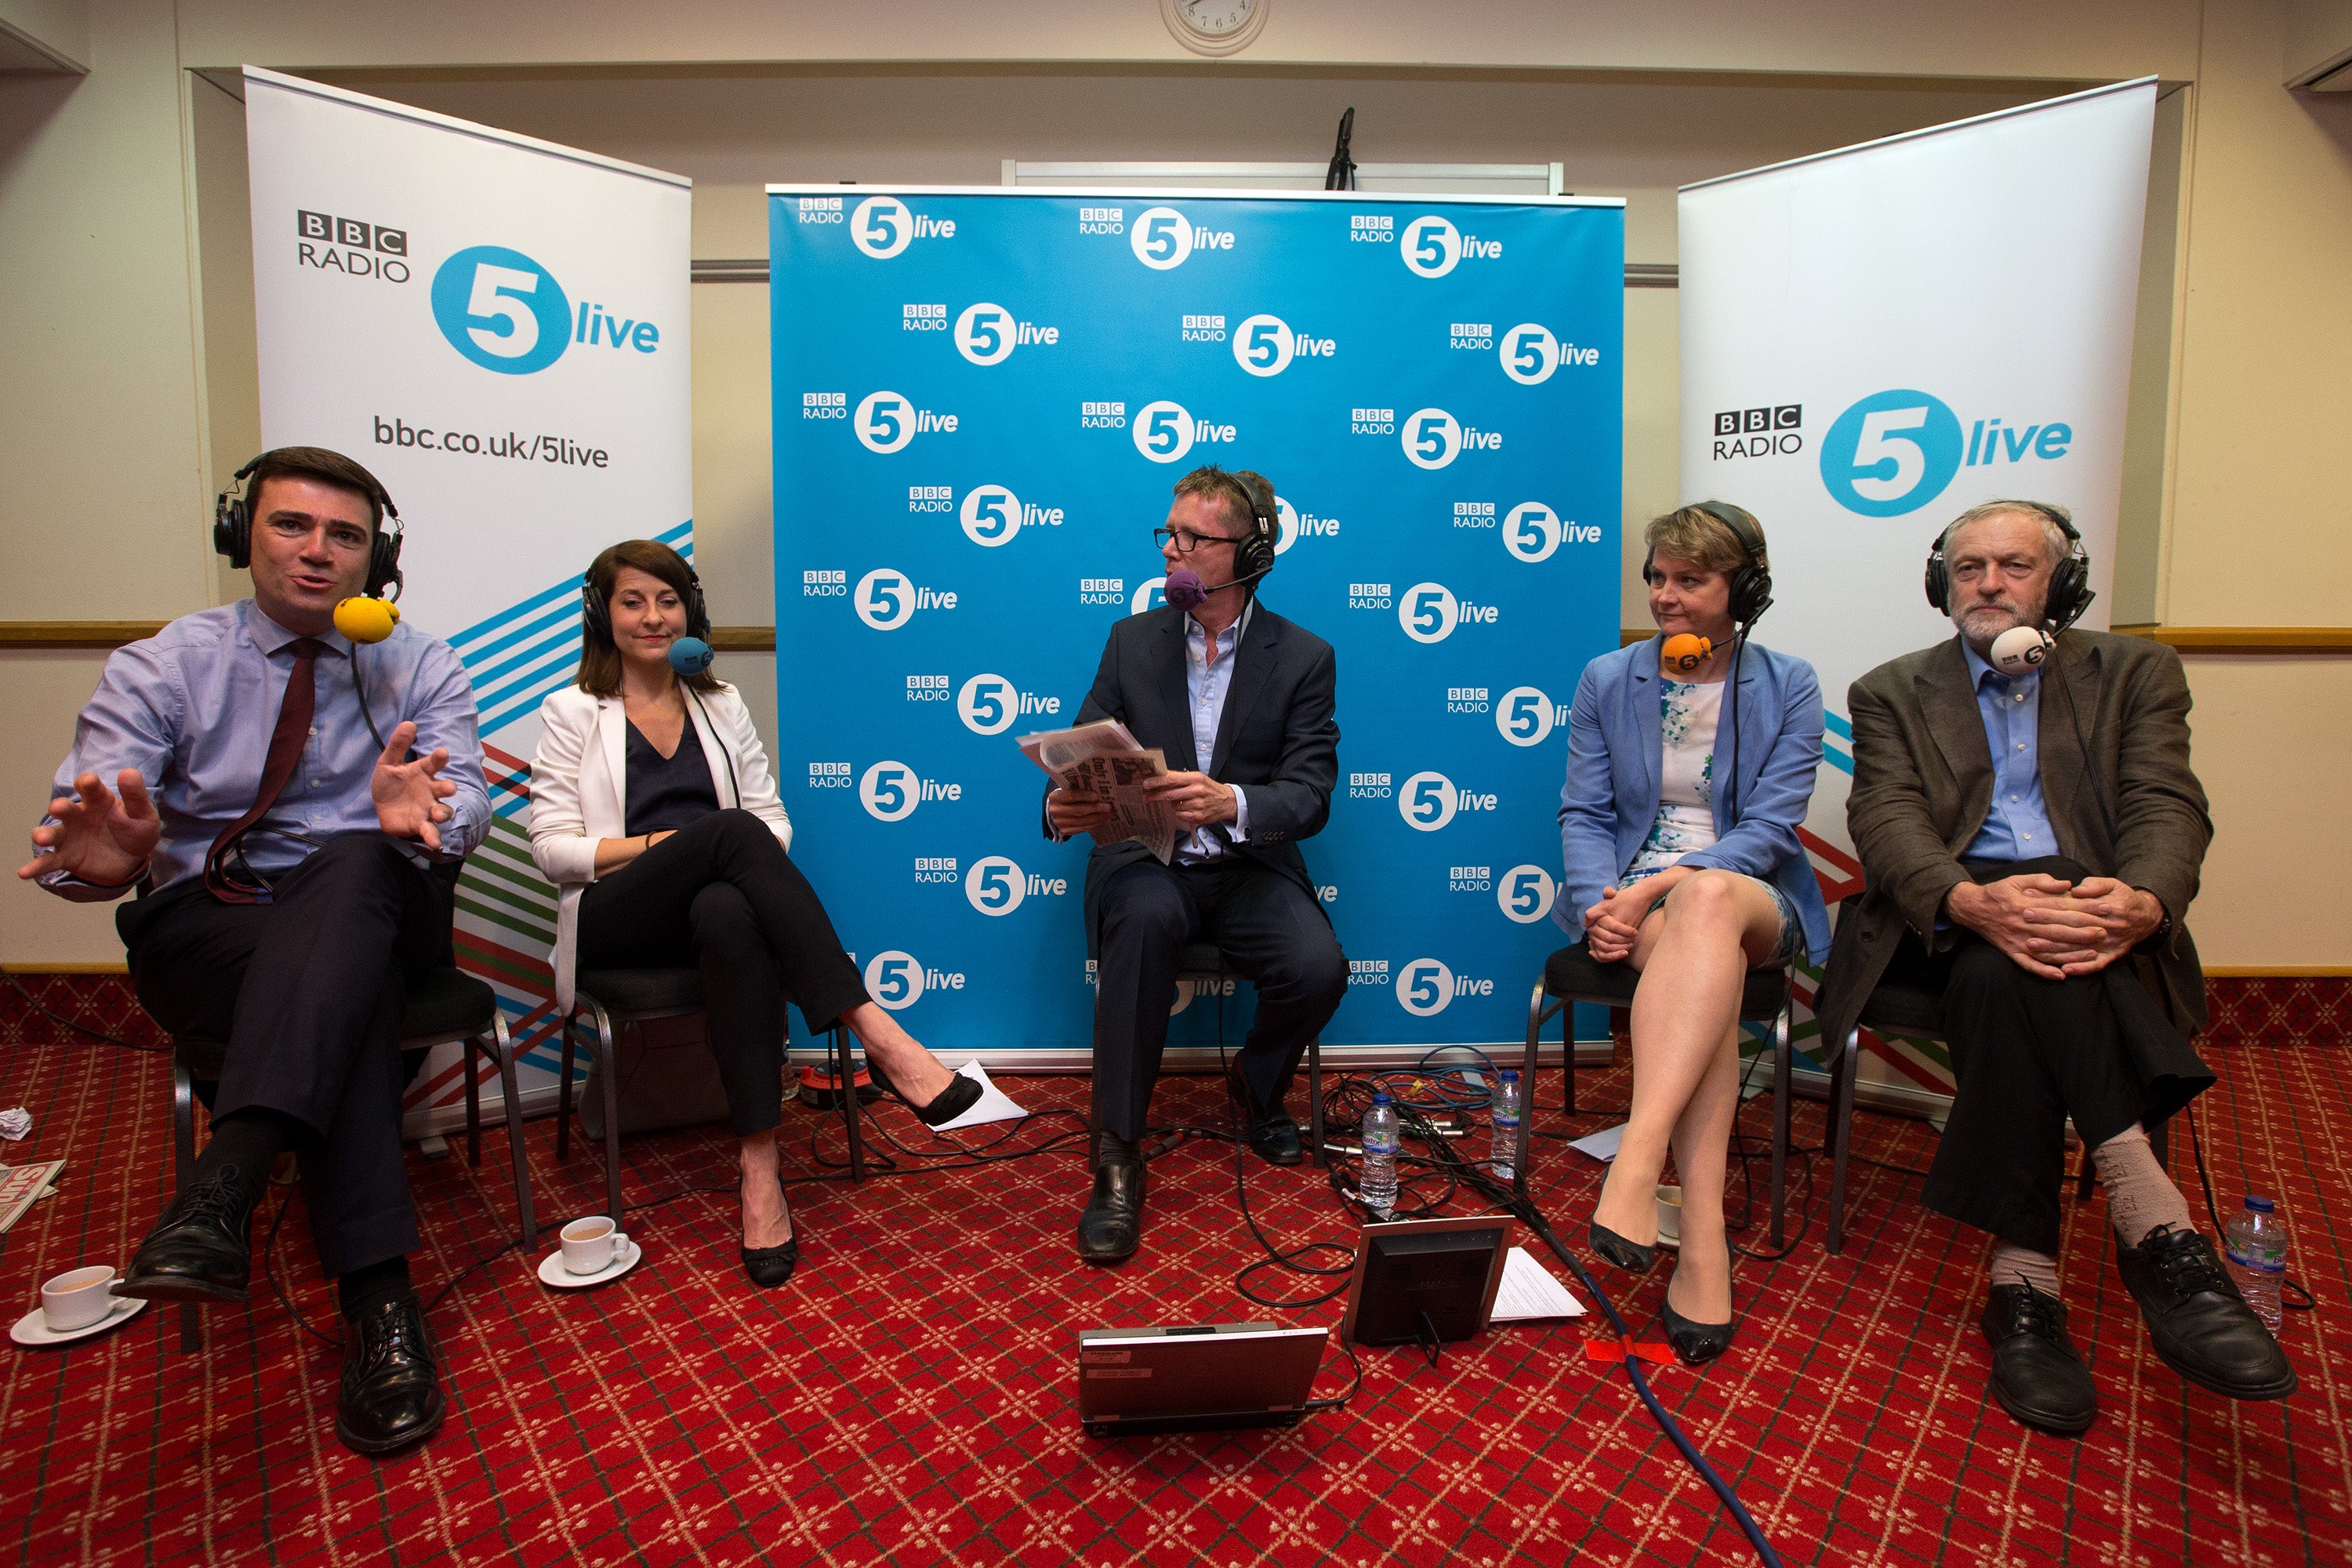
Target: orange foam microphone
[1685,652]
[363,619]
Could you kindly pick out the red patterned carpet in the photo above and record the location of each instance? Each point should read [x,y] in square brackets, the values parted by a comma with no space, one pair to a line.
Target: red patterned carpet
[908,1398]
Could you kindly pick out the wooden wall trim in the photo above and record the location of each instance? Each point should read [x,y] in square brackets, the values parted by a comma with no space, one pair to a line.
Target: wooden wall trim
[114,634]
[2248,639]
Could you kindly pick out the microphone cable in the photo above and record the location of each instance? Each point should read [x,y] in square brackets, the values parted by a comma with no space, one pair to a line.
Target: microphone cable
[1525,1212]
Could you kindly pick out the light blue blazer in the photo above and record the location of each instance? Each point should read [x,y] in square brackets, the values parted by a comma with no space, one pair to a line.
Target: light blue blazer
[1616,746]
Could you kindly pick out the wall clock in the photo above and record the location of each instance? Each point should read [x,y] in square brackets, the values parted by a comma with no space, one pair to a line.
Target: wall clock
[1214,26]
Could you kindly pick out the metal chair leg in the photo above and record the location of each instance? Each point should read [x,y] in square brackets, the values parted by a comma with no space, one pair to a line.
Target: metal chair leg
[563,1088]
[608,1069]
[473,1104]
[184,1163]
[1537,1014]
[849,1107]
[1783,1073]
[503,1043]
[1315,1102]
[1842,1133]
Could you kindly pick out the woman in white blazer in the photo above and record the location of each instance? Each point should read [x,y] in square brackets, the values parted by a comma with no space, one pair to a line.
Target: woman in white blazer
[653,809]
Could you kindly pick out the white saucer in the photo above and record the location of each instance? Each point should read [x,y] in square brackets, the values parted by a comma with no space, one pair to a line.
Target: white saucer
[551,1271]
[33,1331]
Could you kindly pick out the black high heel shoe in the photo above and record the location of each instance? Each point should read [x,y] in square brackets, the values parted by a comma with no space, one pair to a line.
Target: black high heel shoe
[960,1096]
[770,1266]
[1631,1256]
[1696,1343]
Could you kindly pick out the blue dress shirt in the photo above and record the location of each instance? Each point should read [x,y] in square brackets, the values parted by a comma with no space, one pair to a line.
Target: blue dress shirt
[1205,685]
[192,708]
[2018,826]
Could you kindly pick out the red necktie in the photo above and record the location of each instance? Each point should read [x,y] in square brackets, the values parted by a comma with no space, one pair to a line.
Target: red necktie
[286,744]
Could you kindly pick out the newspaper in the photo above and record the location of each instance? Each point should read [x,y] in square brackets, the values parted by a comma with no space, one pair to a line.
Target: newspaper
[20,1184]
[1104,759]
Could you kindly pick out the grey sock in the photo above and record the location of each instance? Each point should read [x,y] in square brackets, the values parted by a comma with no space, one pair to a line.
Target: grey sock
[2015,1265]
[2140,1196]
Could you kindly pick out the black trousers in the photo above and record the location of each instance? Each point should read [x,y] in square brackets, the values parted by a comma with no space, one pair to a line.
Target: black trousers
[2028,1053]
[721,896]
[1266,927]
[307,993]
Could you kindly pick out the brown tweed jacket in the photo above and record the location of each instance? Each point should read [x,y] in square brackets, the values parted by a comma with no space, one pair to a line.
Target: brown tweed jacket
[1923,785]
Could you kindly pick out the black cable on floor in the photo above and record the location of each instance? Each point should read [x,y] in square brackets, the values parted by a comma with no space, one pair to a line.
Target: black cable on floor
[2220,1232]
[55,1018]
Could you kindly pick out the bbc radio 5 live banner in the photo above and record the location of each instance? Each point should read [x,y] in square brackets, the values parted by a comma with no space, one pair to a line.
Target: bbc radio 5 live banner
[1875,341]
[498,328]
[983,398]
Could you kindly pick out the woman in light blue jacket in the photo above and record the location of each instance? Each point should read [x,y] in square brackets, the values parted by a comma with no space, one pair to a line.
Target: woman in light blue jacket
[1678,826]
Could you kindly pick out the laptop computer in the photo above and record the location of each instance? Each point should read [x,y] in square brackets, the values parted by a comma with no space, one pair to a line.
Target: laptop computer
[1195,1379]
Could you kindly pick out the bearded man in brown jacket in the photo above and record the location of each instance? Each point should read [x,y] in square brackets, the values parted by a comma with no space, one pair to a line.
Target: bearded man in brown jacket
[2031,843]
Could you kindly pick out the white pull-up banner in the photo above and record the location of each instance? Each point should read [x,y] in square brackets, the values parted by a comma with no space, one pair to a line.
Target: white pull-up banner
[497,328]
[1875,340]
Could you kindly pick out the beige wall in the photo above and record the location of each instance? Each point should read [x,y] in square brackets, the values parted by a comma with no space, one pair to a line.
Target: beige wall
[121,221]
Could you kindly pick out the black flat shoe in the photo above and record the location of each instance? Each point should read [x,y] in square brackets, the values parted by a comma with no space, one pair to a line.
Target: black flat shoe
[390,1395]
[198,1251]
[1111,1227]
[1695,1342]
[960,1096]
[769,1267]
[1271,1134]
[2197,1320]
[1629,1256]
[2038,1376]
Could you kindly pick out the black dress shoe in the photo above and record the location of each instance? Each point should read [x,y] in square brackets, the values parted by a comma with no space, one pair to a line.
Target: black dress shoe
[1112,1226]
[1629,1256]
[197,1251]
[2197,1321]
[1695,1342]
[960,1096]
[769,1267]
[2038,1376]
[392,1386]
[1274,1134]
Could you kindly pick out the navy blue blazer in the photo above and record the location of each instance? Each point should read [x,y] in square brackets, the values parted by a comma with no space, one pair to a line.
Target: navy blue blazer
[1616,747]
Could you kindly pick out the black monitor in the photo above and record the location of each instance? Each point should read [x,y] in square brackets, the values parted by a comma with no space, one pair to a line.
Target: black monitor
[1426,1281]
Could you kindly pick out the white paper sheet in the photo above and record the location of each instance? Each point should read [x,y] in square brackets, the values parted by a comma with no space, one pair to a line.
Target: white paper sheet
[1528,1292]
[993,1105]
[1601,1145]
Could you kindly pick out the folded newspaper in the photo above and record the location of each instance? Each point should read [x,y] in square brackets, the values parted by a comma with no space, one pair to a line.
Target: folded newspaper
[1104,759]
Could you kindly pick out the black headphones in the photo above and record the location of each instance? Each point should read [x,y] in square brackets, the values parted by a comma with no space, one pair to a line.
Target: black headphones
[597,617]
[233,528]
[1751,585]
[2070,584]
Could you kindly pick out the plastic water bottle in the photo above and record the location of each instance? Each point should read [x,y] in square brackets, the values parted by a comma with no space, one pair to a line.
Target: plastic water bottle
[1379,1143]
[2256,1244]
[1506,1119]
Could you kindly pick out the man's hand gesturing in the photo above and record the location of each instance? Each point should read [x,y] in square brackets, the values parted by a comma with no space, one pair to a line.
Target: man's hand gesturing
[102,837]
[408,795]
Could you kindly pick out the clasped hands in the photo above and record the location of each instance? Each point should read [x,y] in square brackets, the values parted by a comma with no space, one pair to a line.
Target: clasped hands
[106,836]
[1613,925]
[1197,799]
[2054,929]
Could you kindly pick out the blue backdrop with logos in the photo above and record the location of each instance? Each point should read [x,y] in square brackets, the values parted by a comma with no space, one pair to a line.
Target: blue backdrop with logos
[983,398]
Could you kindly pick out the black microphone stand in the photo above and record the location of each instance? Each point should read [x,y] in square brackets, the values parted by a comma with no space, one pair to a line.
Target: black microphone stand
[1343,174]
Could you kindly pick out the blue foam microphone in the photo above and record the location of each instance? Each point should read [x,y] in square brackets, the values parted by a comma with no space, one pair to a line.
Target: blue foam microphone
[691,655]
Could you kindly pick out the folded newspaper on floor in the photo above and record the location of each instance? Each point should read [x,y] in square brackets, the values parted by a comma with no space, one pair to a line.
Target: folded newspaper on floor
[1104,759]
[993,1104]
[1528,1292]
[20,1184]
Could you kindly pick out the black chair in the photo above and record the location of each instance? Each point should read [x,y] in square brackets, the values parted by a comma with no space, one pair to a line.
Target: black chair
[1572,976]
[441,1007]
[1202,962]
[618,999]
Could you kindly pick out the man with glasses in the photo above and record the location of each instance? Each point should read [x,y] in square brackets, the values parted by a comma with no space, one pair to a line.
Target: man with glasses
[1240,700]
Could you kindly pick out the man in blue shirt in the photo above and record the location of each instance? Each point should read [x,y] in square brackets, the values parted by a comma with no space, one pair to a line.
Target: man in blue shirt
[2031,842]
[237,771]
[1252,754]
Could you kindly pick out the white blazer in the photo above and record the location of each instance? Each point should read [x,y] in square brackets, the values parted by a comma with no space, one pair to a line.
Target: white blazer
[579,788]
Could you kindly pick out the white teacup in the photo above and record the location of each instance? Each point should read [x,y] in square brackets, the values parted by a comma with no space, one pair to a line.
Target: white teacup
[590,1244]
[1670,1216]
[79,1297]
